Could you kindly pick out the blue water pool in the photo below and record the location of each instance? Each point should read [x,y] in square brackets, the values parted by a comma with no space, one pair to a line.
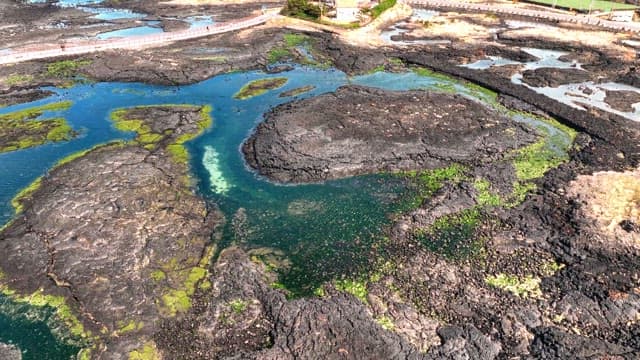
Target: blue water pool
[323,230]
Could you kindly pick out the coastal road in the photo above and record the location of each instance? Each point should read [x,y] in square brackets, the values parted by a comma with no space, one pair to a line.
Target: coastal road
[519,11]
[42,51]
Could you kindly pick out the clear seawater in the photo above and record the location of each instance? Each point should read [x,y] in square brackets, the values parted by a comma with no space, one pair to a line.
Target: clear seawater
[149,29]
[320,231]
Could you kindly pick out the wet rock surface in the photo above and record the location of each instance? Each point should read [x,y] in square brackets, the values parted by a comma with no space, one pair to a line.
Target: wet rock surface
[118,234]
[616,130]
[243,316]
[196,60]
[551,77]
[359,130]
[586,308]
[622,100]
[12,97]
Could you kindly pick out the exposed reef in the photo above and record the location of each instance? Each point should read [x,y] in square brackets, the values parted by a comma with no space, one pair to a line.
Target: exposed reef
[24,128]
[259,87]
[622,100]
[553,77]
[514,255]
[115,236]
[359,130]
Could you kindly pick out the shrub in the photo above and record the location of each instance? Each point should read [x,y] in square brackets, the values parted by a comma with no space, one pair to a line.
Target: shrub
[301,9]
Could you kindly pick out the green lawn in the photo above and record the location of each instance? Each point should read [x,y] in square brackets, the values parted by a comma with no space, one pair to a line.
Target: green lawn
[584,4]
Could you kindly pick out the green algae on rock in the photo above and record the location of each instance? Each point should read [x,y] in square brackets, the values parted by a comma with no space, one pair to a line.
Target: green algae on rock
[297,91]
[259,87]
[146,135]
[23,129]
[154,225]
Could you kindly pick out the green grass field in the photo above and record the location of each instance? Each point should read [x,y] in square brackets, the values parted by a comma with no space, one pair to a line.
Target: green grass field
[584,5]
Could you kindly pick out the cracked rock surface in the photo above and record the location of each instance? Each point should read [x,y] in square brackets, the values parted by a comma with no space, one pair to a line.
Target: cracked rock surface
[358,130]
[335,326]
[117,233]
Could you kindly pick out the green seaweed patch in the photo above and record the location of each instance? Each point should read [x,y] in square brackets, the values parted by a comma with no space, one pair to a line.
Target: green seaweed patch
[238,305]
[22,129]
[396,61]
[259,87]
[292,40]
[62,310]
[319,291]
[278,54]
[297,91]
[158,275]
[149,139]
[27,192]
[85,354]
[549,268]
[534,160]
[482,93]
[432,74]
[18,79]
[148,351]
[355,287]
[485,196]
[66,69]
[144,134]
[386,323]
[178,300]
[520,191]
[377,69]
[290,50]
[453,236]
[525,287]
[128,327]
[427,182]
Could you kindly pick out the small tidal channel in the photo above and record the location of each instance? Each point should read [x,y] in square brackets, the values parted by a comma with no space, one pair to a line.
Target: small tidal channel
[312,233]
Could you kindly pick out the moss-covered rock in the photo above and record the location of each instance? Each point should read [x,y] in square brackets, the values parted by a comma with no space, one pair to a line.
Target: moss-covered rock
[259,87]
[127,241]
[25,128]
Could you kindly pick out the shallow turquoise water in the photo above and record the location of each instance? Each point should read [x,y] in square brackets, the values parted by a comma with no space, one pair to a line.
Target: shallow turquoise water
[30,329]
[134,31]
[320,231]
[112,14]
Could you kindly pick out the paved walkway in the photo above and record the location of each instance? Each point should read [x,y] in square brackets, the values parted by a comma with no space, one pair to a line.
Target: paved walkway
[540,14]
[132,42]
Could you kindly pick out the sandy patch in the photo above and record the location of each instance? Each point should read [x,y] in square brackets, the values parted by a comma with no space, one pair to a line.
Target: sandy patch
[467,28]
[611,199]
[594,39]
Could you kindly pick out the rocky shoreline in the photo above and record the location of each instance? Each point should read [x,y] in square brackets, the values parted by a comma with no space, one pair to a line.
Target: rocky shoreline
[123,245]
[358,130]
[117,238]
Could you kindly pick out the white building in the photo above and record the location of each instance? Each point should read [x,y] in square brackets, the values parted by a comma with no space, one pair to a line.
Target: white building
[347,10]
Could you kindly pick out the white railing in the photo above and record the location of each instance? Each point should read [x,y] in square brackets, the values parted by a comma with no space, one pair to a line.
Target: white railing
[131,42]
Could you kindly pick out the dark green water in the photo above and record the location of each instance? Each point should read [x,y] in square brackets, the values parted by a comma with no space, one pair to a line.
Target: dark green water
[31,330]
[315,232]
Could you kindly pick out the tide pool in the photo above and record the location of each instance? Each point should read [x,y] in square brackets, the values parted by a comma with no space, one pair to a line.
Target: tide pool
[325,230]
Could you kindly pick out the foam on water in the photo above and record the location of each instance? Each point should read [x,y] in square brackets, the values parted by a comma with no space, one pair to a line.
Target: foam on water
[325,230]
[211,163]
